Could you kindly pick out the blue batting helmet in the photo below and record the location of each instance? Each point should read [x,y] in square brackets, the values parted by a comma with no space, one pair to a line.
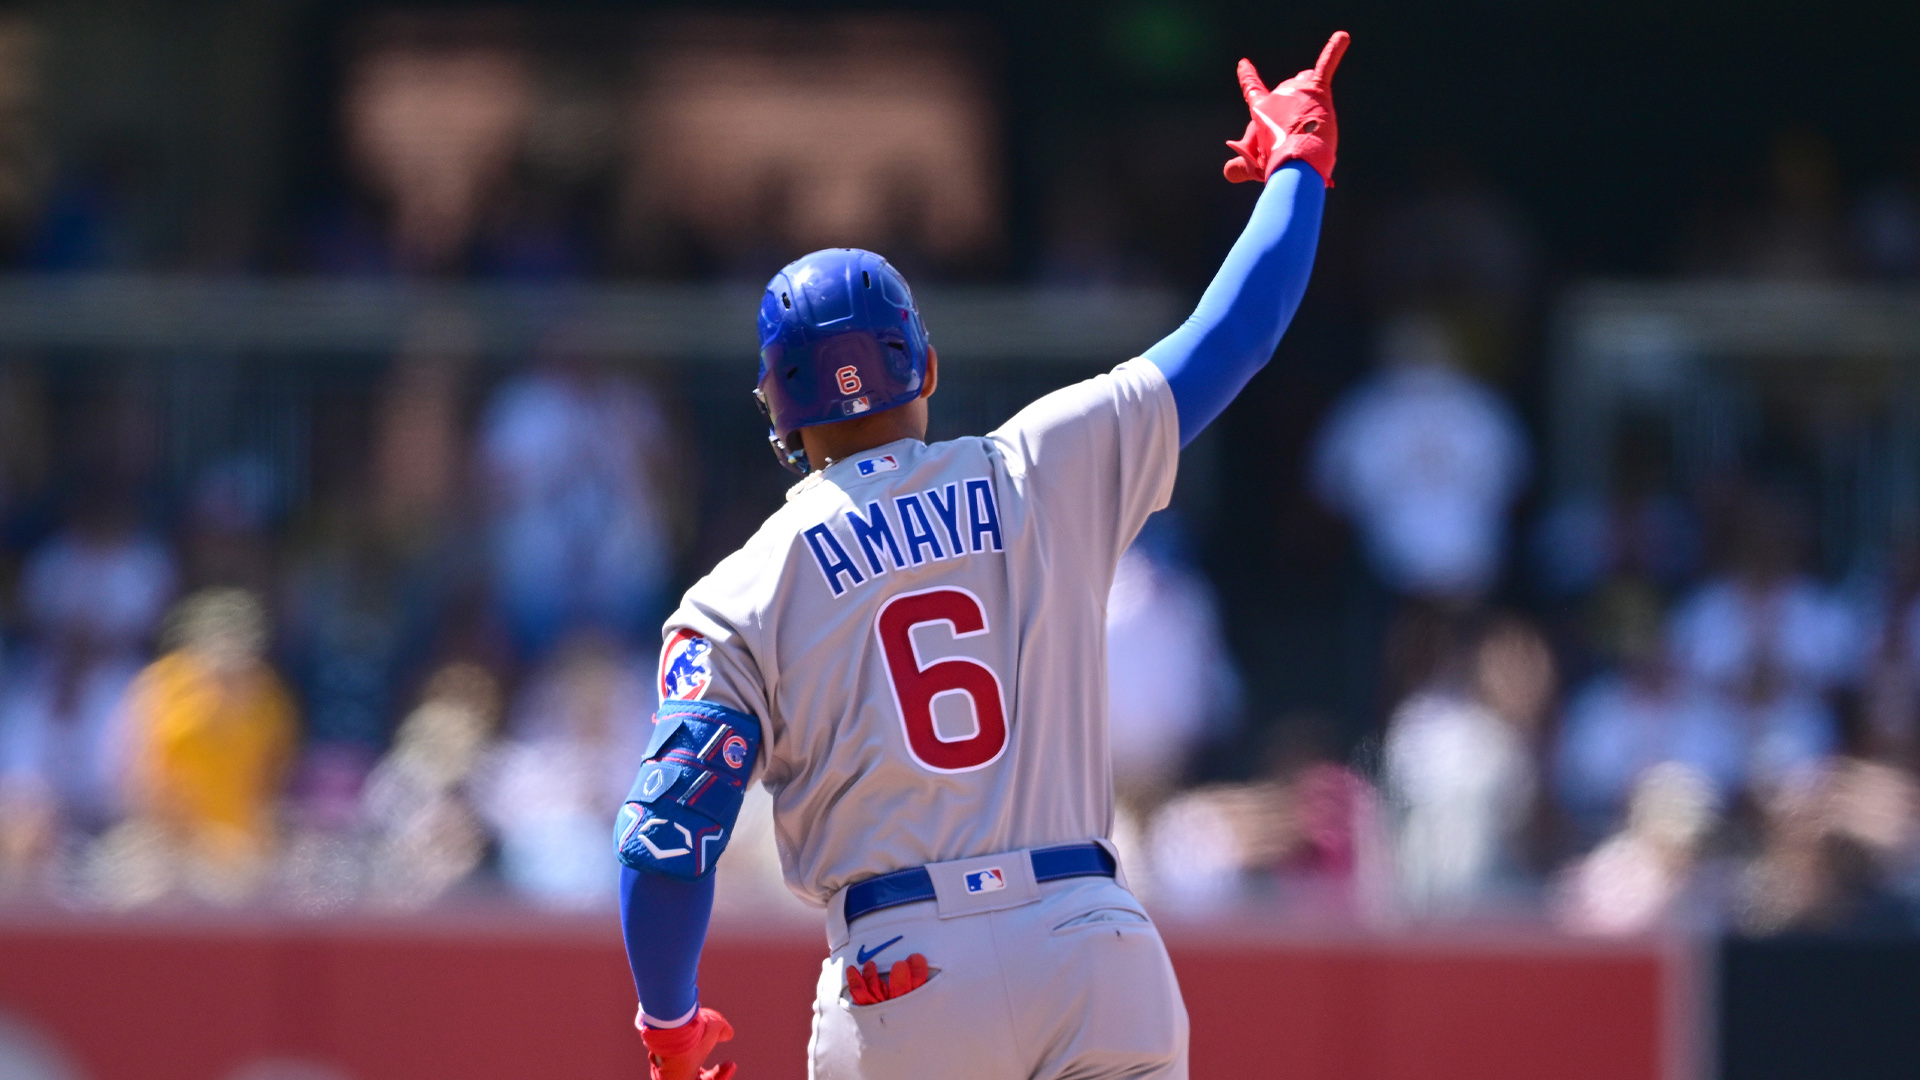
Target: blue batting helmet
[839,337]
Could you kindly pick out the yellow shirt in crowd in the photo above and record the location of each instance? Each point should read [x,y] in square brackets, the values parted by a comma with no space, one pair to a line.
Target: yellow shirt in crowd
[210,749]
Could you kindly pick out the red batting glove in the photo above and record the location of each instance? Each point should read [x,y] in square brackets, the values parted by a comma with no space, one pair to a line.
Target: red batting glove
[677,1053]
[1293,120]
[868,987]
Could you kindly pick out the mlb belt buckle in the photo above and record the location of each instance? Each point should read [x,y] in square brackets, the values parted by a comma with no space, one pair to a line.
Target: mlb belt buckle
[976,877]
[992,879]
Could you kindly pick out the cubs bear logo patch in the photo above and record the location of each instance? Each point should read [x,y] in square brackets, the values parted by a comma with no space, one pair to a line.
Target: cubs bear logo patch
[685,672]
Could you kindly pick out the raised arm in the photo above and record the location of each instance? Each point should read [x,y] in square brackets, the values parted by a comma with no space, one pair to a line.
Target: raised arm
[1290,143]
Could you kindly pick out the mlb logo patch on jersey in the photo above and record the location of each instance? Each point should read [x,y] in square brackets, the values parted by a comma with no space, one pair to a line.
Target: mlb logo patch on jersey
[984,881]
[685,672]
[883,463]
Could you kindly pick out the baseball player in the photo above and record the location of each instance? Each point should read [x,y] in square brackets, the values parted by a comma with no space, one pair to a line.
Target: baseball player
[910,655]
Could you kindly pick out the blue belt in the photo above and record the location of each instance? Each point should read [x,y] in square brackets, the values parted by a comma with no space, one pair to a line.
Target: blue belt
[915,885]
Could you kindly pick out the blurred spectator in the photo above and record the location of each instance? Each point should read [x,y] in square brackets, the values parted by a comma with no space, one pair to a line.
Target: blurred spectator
[1637,715]
[1338,864]
[1170,680]
[1787,729]
[228,535]
[1769,643]
[366,596]
[579,534]
[346,620]
[1834,846]
[1763,612]
[91,596]
[419,798]
[62,751]
[211,735]
[102,580]
[1426,461]
[1202,844]
[1170,677]
[1459,769]
[552,789]
[1584,542]
[1306,835]
[1634,881]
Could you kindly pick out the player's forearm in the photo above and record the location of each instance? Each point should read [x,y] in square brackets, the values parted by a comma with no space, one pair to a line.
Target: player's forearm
[664,921]
[1232,333]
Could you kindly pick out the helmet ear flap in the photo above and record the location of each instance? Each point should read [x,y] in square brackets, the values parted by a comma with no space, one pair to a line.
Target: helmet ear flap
[792,460]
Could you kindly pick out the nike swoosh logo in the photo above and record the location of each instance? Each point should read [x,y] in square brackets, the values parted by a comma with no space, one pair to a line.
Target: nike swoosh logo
[868,954]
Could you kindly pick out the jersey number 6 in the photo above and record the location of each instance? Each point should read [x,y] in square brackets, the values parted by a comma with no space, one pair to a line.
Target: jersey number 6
[916,687]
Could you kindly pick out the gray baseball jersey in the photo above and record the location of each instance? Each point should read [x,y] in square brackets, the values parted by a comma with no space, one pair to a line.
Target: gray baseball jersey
[921,631]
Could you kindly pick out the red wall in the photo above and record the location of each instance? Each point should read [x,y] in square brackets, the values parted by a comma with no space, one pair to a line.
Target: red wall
[518,996]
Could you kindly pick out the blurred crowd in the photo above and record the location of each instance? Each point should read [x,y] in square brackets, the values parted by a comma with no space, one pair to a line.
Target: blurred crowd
[438,686]
[401,652]
[442,677]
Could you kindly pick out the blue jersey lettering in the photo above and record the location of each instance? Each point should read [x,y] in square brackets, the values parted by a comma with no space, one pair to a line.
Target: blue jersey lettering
[917,529]
[874,527]
[948,513]
[983,518]
[833,558]
[916,538]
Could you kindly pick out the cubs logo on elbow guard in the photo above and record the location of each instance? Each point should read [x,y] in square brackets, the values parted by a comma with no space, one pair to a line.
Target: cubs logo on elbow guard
[734,752]
[685,672]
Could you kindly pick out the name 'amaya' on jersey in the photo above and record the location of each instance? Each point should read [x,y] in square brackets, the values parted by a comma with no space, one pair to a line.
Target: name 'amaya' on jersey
[911,518]
[920,632]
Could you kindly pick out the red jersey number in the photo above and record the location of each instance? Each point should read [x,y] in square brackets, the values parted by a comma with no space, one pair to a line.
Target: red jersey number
[916,687]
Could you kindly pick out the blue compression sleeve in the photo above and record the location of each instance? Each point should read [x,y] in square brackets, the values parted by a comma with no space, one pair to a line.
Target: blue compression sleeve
[1233,333]
[664,921]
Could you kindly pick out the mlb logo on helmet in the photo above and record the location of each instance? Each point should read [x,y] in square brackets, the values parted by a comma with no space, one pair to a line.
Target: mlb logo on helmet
[856,406]
[883,463]
[989,880]
[684,669]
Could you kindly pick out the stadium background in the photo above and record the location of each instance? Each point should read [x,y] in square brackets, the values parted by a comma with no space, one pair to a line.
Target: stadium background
[389,363]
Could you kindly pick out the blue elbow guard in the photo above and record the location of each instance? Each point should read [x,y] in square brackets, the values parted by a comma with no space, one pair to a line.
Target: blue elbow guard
[679,815]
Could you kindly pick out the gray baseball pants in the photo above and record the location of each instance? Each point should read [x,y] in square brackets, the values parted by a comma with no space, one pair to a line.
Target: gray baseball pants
[1066,980]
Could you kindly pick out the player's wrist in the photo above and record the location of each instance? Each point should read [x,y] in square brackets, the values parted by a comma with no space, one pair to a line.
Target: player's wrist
[1309,151]
[644,1022]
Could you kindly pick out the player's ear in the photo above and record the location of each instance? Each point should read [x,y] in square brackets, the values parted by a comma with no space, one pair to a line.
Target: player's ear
[933,373]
